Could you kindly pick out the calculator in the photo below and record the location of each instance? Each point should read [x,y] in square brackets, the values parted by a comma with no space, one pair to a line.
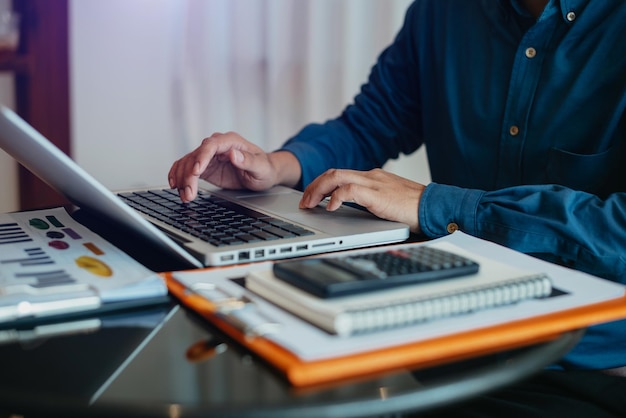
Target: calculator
[328,277]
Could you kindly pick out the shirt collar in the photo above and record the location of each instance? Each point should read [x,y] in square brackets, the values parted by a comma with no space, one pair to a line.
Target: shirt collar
[564,7]
[571,6]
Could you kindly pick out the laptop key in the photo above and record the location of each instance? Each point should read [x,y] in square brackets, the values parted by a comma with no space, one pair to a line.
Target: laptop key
[212,219]
[278,232]
[248,238]
[265,236]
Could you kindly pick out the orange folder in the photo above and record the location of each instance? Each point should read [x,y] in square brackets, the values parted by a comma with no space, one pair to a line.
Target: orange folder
[440,350]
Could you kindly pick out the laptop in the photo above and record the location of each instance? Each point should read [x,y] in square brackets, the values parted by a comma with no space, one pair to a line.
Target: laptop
[276,227]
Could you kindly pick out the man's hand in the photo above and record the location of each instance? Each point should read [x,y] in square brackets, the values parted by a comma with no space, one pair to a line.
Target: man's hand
[231,162]
[384,194]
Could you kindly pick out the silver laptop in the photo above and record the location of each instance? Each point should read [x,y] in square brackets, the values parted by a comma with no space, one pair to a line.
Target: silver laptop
[276,227]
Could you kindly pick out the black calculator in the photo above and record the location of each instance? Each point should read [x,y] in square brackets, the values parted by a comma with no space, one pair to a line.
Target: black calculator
[328,277]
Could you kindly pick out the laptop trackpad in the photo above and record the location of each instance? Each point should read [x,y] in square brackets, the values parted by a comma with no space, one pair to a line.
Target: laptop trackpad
[285,205]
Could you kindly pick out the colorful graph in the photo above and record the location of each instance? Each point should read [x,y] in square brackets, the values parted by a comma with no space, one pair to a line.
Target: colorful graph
[11,233]
[94,266]
[34,257]
[47,278]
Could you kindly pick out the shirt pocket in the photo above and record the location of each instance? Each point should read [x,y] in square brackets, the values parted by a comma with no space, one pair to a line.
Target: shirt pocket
[599,174]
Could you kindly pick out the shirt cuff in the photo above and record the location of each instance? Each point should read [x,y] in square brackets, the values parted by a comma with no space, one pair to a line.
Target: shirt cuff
[309,159]
[444,209]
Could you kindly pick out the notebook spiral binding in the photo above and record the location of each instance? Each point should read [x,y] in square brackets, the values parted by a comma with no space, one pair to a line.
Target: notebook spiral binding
[369,317]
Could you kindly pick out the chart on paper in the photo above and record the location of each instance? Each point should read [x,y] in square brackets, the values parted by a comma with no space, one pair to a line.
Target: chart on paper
[47,250]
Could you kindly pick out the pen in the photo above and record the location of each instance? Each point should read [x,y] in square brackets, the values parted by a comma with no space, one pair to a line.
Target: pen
[49,330]
[240,312]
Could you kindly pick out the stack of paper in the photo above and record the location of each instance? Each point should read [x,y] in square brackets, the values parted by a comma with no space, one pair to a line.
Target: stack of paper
[51,265]
[308,355]
[496,284]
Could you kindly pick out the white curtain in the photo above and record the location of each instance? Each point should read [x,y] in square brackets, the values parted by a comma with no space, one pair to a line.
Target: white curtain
[151,78]
[264,68]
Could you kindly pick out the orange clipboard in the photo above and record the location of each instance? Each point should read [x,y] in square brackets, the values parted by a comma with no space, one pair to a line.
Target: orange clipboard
[414,355]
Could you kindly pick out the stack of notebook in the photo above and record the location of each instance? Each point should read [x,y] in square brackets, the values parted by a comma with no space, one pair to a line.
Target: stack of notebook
[494,285]
[270,321]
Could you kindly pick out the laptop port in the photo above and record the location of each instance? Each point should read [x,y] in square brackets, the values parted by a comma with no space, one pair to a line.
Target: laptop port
[323,244]
[259,254]
[244,255]
[285,250]
[301,247]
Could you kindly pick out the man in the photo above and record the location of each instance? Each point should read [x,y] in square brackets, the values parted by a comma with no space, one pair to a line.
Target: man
[522,107]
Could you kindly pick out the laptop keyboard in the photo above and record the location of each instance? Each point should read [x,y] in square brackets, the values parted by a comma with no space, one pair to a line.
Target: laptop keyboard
[212,219]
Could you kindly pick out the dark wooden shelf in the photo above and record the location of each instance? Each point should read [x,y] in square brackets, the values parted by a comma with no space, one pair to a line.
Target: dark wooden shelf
[13,62]
[41,68]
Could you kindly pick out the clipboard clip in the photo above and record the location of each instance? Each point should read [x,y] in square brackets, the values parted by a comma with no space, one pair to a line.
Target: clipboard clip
[240,312]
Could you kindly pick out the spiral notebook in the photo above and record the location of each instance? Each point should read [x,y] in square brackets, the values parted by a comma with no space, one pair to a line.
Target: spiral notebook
[308,355]
[496,284]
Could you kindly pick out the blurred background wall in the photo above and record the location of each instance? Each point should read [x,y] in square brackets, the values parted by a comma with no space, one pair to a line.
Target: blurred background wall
[150,78]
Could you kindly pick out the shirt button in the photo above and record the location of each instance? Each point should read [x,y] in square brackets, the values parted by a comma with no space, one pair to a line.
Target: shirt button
[452,227]
[531,52]
[514,130]
[571,16]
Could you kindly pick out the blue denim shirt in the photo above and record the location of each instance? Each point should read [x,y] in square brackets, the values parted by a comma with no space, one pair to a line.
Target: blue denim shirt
[525,126]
